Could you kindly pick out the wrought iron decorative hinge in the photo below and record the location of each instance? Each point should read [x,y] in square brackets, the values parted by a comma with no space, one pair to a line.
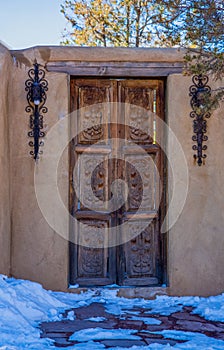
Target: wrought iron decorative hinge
[36,87]
[199,92]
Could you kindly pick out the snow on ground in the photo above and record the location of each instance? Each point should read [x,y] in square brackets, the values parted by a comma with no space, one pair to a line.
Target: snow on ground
[96,319]
[25,304]
[100,333]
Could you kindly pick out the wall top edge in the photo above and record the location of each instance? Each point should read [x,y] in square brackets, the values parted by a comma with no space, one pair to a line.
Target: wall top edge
[46,54]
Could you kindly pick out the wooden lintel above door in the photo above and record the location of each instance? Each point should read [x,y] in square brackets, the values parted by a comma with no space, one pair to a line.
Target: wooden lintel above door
[116,69]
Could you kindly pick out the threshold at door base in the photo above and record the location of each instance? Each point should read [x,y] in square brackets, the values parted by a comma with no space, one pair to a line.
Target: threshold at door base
[126,292]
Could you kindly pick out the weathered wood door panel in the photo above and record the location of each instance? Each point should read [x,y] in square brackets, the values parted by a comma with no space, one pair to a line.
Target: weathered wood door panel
[138,261]
[140,256]
[92,266]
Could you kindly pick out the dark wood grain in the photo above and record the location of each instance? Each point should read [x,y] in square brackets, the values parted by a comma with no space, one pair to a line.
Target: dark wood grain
[139,261]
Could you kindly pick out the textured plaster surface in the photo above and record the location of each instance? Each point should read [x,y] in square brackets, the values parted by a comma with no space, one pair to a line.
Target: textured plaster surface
[38,253]
[5,226]
[196,241]
[45,54]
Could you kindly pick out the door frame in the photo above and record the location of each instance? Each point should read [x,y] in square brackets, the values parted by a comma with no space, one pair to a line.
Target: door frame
[130,73]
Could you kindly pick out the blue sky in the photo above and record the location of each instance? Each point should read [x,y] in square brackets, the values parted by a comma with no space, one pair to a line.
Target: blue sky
[26,23]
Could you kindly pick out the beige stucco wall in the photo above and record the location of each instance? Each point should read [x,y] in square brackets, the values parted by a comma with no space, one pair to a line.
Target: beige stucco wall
[5,225]
[196,241]
[38,253]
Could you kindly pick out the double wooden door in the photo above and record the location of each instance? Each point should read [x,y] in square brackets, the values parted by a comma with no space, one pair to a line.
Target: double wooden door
[116,139]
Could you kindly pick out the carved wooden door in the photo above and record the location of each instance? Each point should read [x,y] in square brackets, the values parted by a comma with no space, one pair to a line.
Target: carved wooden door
[107,148]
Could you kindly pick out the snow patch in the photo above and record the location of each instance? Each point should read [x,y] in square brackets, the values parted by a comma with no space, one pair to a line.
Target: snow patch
[101,333]
[96,319]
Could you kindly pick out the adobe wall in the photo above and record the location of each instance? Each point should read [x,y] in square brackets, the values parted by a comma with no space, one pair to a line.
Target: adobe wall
[5,220]
[196,241]
[38,253]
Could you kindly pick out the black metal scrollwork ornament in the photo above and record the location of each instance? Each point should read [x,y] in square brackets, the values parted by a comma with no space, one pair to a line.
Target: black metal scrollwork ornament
[199,93]
[36,87]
